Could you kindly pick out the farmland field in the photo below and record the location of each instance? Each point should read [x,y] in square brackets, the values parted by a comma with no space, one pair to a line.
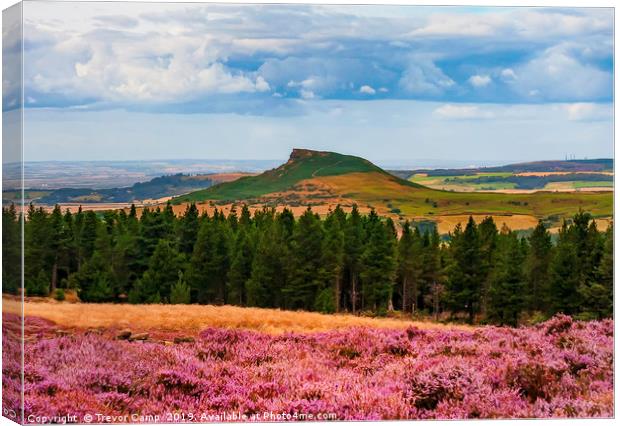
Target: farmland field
[516,182]
[370,369]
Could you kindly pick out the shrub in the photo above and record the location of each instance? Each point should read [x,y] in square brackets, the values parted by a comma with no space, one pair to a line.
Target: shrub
[59,295]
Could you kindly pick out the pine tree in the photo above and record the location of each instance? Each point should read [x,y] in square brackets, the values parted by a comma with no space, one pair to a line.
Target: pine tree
[11,250]
[246,218]
[189,226]
[162,273]
[94,281]
[240,268]
[506,293]
[598,294]
[354,236]
[38,256]
[88,235]
[407,267]
[565,276]
[269,269]
[306,249]
[180,291]
[466,273]
[209,263]
[329,294]
[537,269]
[378,267]
[488,233]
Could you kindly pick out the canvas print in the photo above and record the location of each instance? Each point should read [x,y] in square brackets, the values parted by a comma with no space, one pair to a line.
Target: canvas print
[228,212]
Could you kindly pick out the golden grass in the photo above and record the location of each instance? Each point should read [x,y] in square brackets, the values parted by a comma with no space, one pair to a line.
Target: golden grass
[193,318]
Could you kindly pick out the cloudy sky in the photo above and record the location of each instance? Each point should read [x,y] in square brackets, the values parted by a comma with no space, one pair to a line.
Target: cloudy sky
[395,84]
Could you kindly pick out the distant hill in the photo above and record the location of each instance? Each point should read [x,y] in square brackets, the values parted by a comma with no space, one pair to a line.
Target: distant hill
[324,179]
[159,187]
[569,166]
[302,165]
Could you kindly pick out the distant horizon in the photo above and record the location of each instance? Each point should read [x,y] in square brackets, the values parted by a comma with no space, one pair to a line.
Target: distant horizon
[386,163]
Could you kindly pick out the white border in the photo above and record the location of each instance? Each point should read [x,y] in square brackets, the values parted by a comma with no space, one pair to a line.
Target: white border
[563,3]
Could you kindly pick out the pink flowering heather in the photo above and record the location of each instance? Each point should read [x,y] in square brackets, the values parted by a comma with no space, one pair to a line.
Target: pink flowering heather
[561,368]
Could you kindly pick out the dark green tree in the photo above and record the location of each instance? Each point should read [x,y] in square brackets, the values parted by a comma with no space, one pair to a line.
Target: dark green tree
[537,270]
[240,268]
[210,262]
[11,250]
[378,267]
[332,264]
[354,237]
[466,272]
[306,258]
[269,268]
[162,274]
[506,294]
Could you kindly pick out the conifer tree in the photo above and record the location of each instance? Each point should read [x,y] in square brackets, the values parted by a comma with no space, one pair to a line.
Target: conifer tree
[209,263]
[466,272]
[241,267]
[537,269]
[94,281]
[565,275]
[306,249]
[269,270]
[189,226]
[407,267]
[11,250]
[506,293]
[162,274]
[354,236]
[378,266]
[329,293]
[180,291]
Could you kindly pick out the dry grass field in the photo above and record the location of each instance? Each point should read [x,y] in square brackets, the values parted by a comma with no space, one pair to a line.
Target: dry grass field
[193,318]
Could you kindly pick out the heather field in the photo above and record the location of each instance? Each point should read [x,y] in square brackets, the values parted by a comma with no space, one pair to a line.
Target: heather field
[560,368]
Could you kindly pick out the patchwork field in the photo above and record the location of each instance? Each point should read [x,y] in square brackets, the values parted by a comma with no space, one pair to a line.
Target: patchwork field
[213,372]
[517,183]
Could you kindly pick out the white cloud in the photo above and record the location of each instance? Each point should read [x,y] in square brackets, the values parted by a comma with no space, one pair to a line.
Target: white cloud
[423,77]
[479,80]
[165,53]
[462,112]
[307,94]
[557,74]
[130,67]
[525,23]
[508,74]
[367,90]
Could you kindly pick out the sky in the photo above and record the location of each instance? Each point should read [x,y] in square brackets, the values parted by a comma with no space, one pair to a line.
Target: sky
[397,85]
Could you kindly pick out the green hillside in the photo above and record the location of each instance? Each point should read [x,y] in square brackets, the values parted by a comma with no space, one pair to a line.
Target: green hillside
[359,180]
[303,164]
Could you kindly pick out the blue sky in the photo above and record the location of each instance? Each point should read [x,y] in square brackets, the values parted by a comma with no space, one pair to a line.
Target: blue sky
[389,83]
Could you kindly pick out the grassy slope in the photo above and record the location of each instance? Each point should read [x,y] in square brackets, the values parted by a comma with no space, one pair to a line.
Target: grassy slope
[372,188]
[360,180]
[286,176]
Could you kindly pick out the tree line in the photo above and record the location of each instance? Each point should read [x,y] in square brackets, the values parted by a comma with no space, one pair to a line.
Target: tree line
[353,262]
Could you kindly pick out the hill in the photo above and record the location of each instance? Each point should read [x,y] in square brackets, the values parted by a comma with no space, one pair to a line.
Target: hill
[315,178]
[302,165]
